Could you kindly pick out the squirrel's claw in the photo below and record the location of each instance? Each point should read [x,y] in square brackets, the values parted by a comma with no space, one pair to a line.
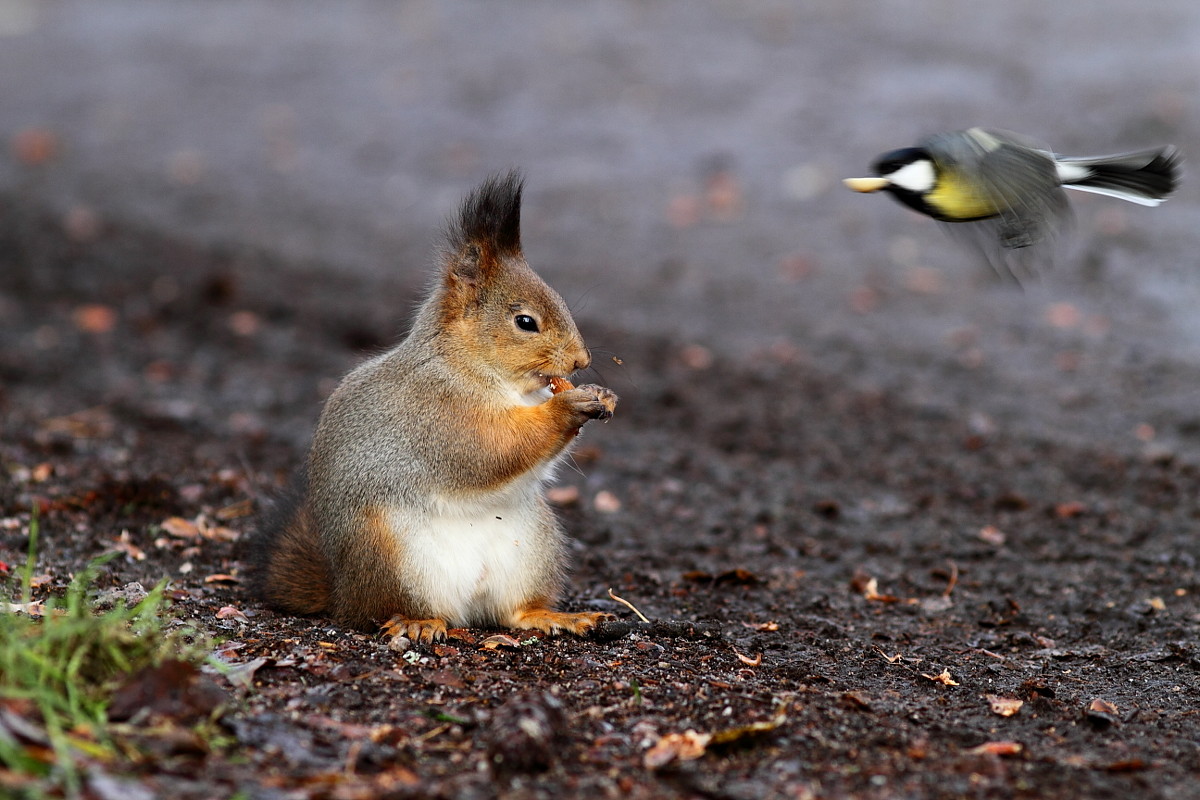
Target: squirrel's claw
[425,631]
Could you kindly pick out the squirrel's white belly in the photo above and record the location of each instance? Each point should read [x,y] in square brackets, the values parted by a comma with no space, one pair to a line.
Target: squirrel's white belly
[472,566]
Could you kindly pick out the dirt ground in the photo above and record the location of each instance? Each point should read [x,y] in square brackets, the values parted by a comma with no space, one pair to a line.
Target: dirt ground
[877,599]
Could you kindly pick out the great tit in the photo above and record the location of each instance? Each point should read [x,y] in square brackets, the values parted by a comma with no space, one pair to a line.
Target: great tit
[984,174]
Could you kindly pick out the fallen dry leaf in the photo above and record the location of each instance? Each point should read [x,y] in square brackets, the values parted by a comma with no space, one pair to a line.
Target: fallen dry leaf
[1099,706]
[686,746]
[738,577]
[606,502]
[871,592]
[762,626]
[448,677]
[1069,510]
[858,699]
[1004,706]
[173,689]
[229,612]
[219,533]
[221,577]
[241,673]
[942,678]
[124,544]
[890,659]
[731,735]
[997,749]
[180,528]
[242,508]
[563,496]
[496,641]
[95,318]
[750,662]
[992,535]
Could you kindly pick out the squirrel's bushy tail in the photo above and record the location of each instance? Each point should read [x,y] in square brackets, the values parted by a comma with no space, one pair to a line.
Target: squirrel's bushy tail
[288,571]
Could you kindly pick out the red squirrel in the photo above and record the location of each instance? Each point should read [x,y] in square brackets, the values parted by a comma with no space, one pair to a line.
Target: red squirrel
[421,505]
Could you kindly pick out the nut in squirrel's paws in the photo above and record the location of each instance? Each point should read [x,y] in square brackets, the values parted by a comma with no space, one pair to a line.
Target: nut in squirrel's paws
[419,630]
[603,401]
[547,621]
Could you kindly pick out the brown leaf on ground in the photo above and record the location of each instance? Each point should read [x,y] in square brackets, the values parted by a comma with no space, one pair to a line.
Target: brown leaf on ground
[686,746]
[1004,706]
[94,318]
[857,700]
[563,496]
[871,592]
[124,544]
[734,577]
[997,749]
[943,678]
[173,690]
[229,612]
[498,641]
[992,535]
[769,627]
[448,677]
[750,662]
[526,734]
[1069,510]
[742,732]
[180,528]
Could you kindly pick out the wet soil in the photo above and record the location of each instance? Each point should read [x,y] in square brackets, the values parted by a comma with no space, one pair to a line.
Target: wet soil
[889,600]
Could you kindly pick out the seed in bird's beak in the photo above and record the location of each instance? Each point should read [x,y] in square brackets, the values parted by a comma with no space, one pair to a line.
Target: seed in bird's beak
[866,184]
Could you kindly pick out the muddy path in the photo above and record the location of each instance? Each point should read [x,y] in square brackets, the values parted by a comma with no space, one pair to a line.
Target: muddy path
[910,601]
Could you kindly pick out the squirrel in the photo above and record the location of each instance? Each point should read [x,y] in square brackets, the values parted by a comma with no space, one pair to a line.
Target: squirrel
[421,503]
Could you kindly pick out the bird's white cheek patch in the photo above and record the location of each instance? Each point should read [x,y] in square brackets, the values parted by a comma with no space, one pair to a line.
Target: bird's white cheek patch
[915,177]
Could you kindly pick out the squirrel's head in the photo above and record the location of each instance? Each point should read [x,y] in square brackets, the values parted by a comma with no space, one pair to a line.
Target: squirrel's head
[502,312]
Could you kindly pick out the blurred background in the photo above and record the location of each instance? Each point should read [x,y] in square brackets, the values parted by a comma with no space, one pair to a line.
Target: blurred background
[683,162]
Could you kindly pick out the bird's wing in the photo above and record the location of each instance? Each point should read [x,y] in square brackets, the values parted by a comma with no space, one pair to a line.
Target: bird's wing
[1024,183]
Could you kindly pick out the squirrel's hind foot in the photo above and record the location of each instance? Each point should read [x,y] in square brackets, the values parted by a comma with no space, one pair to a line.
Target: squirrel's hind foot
[418,630]
[548,621]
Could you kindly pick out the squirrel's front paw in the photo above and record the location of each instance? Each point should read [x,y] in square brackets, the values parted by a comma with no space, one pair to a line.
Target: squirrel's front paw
[425,631]
[590,402]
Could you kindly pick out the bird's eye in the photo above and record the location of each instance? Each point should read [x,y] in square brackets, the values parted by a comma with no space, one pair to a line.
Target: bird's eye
[526,323]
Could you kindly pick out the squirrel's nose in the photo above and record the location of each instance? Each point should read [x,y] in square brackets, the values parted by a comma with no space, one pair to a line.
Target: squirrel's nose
[582,361]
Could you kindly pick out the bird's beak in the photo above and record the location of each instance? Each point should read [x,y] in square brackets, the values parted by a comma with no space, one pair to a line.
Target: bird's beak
[866,184]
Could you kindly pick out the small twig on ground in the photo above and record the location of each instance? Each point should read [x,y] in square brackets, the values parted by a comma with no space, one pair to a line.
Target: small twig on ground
[953,581]
[628,605]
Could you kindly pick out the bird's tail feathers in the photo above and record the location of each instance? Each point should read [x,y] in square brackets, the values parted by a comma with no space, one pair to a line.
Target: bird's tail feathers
[1146,177]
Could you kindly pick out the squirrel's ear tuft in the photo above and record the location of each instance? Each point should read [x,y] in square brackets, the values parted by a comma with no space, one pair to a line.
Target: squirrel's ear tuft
[489,219]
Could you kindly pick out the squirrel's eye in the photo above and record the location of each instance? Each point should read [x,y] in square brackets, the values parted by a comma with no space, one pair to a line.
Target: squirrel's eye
[526,323]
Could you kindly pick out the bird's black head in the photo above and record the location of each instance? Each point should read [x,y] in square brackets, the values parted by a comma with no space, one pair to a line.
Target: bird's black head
[891,163]
[911,176]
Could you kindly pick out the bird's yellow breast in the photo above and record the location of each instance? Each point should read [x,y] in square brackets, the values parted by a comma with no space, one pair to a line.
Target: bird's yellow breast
[960,200]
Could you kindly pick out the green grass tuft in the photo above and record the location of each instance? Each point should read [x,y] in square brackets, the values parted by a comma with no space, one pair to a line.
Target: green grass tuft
[58,670]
